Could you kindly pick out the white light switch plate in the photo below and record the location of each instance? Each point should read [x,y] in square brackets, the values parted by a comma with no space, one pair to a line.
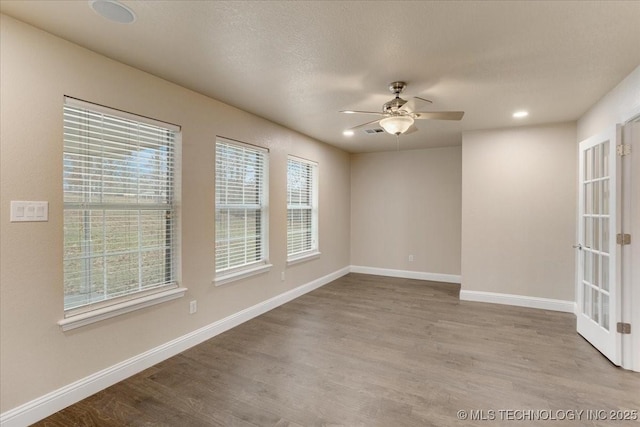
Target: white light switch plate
[29,211]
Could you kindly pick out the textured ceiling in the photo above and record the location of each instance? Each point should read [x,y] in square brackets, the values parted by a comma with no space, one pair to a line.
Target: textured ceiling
[298,63]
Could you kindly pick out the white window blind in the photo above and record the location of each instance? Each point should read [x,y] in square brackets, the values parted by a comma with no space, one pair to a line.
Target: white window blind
[119,206]
[302,207]
[241,206]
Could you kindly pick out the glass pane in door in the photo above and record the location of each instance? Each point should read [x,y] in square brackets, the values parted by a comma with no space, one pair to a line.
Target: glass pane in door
[587,266]
[595,305]
[588,198]
[604,225]
[595,273]
[586,306]
[605,196]
[588,232]
[605,273]
[588,163]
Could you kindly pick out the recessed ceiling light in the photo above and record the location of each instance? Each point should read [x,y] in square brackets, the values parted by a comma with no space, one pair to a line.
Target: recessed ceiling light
[520,114]
[348,133]
[113,11]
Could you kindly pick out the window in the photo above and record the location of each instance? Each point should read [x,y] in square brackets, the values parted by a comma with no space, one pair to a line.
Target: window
[302,209]
[241,210]
[120,214]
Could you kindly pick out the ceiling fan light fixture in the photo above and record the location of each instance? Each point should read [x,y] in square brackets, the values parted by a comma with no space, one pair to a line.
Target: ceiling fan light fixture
[396,125]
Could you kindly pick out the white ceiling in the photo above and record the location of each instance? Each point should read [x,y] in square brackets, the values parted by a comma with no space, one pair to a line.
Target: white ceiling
[298,63]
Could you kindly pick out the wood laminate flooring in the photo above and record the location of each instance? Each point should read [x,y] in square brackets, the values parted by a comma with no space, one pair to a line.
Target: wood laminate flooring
[375,351]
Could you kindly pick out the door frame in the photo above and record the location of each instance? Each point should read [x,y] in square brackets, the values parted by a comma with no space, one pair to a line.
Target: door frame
[630,289]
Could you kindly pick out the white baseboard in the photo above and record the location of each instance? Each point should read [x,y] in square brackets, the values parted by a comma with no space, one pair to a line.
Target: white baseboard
[50,403]
[406,274]
[519,300]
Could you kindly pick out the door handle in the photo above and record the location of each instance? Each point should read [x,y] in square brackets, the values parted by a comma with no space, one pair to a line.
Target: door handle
[578,247]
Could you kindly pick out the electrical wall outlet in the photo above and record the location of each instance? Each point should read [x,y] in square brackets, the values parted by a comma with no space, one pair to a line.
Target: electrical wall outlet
[410,258]
[193,306]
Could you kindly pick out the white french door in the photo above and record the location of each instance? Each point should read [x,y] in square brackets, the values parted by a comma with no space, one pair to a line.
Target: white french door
[598,285]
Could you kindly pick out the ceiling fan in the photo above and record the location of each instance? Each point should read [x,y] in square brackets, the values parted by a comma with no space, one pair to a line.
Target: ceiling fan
[398,114]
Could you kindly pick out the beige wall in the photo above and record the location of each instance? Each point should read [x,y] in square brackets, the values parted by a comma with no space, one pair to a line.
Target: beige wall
[37,71]
[518,211]
[407,203]
[615,107]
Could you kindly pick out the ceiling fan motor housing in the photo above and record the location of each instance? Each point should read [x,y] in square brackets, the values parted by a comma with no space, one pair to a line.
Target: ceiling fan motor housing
[393,106]
[397,87]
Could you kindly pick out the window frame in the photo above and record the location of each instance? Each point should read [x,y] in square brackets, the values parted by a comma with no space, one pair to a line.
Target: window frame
[314,250]
[142,296]
[262,265]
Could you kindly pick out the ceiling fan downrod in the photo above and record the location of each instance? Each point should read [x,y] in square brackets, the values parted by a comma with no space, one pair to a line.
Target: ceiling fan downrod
[393,107]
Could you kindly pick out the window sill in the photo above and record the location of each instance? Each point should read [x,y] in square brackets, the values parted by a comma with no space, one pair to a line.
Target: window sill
[303,257]
[243,274]
[94,316]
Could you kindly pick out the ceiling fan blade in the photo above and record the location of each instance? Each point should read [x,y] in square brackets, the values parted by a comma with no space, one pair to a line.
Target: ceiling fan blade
[364,124]
[425,100]
[410,106]
[411,129]
[362,112]
[439,115]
